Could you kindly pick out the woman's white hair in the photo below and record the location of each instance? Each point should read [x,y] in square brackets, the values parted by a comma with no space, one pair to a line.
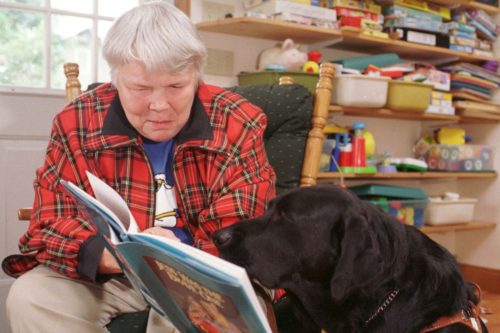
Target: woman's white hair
[157,34]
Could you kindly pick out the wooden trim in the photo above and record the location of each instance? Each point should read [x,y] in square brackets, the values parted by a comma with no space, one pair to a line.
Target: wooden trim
[475,225]
[184,5]
[328,176]
[24,214]
[314,143]
[487,278]
[339,39]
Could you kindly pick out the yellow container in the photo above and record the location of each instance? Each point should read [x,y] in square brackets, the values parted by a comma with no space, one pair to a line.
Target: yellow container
[408,96]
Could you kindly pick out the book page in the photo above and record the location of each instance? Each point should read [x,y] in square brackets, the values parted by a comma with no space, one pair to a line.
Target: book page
[111,199]
[104,219]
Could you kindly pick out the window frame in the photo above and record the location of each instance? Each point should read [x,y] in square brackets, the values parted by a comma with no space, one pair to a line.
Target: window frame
[48,11]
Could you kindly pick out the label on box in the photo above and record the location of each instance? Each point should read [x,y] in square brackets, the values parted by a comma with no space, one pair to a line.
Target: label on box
[421,38]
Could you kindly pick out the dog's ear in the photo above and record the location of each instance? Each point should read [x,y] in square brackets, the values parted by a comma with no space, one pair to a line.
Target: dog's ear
[360,258]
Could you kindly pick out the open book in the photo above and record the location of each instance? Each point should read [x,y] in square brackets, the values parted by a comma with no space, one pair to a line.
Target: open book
[196,291]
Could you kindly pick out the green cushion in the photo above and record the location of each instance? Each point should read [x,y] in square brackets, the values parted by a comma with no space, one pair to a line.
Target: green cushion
[133,322]
[288,109]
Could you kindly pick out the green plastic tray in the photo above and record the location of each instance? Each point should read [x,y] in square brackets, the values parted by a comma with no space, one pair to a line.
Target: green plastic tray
[388,191]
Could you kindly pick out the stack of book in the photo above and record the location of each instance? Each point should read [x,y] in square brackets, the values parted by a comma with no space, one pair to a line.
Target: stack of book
[472,82]
[400,16]
[472,88]
[292,11]
[462,36]
[485,27]
[416,21]
[362,15]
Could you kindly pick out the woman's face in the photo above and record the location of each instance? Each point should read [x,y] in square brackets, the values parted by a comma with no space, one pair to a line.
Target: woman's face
[156,104]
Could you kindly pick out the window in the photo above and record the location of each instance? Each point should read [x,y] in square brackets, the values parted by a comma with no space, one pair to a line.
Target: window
[38,36]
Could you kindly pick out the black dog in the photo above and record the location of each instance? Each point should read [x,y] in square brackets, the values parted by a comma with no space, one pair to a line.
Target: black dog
[351,266]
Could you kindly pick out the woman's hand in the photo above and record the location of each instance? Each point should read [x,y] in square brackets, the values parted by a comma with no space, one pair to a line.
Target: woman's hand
[108,264]
[163,232]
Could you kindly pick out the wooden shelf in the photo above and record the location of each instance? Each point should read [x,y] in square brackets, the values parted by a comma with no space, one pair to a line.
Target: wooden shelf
[348,40]
[458,227]
[485,7]
[467,4]
[325,176]
[388,113]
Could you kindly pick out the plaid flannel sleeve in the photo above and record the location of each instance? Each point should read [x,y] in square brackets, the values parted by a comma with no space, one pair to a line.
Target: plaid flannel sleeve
[57,232]
[248,185]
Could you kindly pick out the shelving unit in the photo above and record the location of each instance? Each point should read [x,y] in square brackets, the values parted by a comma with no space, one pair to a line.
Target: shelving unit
[328,176]
[387,113]
[319,37]
[485,7]
[340,39]
[467,4]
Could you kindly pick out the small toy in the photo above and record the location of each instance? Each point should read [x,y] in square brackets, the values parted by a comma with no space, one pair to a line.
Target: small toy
[451,136]
[385,164]
[312,65]
[352,150]
[287,57]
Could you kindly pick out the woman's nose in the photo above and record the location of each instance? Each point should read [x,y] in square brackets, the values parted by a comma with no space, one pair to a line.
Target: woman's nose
[159,100]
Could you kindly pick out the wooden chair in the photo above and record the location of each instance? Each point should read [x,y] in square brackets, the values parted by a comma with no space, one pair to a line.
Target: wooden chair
[309,171]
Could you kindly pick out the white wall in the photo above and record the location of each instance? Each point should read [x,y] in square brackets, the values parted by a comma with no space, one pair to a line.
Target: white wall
[24,131]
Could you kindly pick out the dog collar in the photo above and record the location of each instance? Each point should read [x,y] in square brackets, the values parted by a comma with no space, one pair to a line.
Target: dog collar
[383,306]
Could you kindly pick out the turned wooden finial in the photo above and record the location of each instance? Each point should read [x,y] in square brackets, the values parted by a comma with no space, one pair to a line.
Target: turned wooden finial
[286,80]
[73,86]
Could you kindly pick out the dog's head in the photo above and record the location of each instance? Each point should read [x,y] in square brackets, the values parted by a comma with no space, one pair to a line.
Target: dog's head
[321,234]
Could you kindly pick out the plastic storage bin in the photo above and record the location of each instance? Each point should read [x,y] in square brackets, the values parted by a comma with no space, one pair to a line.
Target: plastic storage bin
[411,212]
[473,158]
[360,90]
[308,80]
[450,211]
[408,96]
[406,204]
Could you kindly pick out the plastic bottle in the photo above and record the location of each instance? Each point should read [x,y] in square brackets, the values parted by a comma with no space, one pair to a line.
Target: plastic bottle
[358,145]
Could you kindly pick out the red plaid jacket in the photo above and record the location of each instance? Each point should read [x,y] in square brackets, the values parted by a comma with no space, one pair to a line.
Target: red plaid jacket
[221,174]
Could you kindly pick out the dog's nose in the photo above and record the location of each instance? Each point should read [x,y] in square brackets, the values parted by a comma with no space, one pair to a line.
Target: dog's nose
[222,238]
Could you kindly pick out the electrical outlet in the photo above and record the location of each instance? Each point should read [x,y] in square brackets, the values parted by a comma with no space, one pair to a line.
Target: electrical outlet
[215,11]
[220,62]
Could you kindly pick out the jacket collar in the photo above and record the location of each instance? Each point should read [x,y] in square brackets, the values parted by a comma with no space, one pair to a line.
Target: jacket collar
[197,127]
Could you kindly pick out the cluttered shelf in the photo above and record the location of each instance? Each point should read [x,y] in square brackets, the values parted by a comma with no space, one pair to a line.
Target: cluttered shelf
[328,176]
[485,7]
[464,3]
[345,39]
[390,114]
[458,227]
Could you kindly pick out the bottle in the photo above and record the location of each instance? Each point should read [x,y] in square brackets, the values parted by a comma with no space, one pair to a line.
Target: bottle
[358,145]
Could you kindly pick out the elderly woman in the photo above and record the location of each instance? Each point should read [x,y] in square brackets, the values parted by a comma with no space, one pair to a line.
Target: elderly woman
[187,157]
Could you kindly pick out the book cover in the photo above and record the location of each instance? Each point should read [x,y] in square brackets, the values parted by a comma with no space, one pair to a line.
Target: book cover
[196,291]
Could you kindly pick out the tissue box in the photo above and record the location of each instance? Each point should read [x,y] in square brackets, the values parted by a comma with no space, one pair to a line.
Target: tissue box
[450,211]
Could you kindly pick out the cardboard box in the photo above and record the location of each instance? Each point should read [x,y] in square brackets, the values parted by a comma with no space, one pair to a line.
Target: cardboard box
[286,9]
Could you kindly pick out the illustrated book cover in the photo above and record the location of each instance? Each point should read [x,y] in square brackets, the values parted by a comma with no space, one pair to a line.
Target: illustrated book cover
[196,291]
